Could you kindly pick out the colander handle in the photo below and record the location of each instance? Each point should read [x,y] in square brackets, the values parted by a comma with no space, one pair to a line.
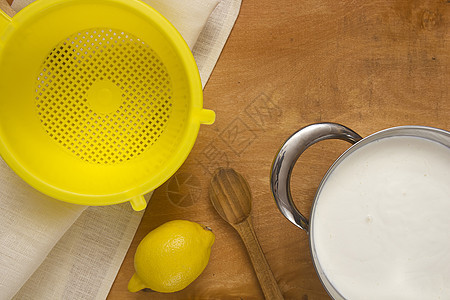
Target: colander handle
[207,116]
[138,203]
[6,9]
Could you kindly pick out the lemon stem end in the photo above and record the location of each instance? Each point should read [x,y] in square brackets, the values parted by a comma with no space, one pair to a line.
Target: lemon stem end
[135,284]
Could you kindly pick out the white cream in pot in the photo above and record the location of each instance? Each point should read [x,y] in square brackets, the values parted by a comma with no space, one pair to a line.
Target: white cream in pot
[381,226]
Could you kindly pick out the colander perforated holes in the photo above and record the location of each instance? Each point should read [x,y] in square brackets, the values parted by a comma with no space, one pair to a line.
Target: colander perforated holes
[104,95]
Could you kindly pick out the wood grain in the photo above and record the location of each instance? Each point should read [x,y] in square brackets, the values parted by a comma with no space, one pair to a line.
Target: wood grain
[231,197]
[369,65]
[267,281]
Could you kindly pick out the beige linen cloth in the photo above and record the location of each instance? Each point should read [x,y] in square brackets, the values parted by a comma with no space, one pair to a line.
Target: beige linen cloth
[55,250]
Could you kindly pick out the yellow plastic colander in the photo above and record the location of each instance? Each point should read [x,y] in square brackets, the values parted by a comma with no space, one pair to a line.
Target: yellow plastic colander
[100,100]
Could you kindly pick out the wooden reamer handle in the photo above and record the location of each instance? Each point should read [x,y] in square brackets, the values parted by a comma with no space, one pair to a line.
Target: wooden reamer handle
[265,276]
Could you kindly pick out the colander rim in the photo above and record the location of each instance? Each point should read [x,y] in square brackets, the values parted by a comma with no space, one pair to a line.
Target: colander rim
[196,105]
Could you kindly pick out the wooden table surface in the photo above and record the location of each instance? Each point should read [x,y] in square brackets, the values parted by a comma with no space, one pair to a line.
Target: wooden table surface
[369,65]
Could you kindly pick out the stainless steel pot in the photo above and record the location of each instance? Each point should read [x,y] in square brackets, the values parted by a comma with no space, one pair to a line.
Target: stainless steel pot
[296,144]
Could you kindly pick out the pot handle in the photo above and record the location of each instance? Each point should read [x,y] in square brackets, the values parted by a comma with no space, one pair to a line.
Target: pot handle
[280,175]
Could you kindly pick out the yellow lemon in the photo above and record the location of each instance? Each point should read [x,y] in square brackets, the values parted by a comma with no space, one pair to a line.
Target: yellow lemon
[171,256]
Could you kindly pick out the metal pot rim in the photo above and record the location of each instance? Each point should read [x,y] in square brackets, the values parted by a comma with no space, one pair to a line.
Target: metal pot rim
[307,136]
